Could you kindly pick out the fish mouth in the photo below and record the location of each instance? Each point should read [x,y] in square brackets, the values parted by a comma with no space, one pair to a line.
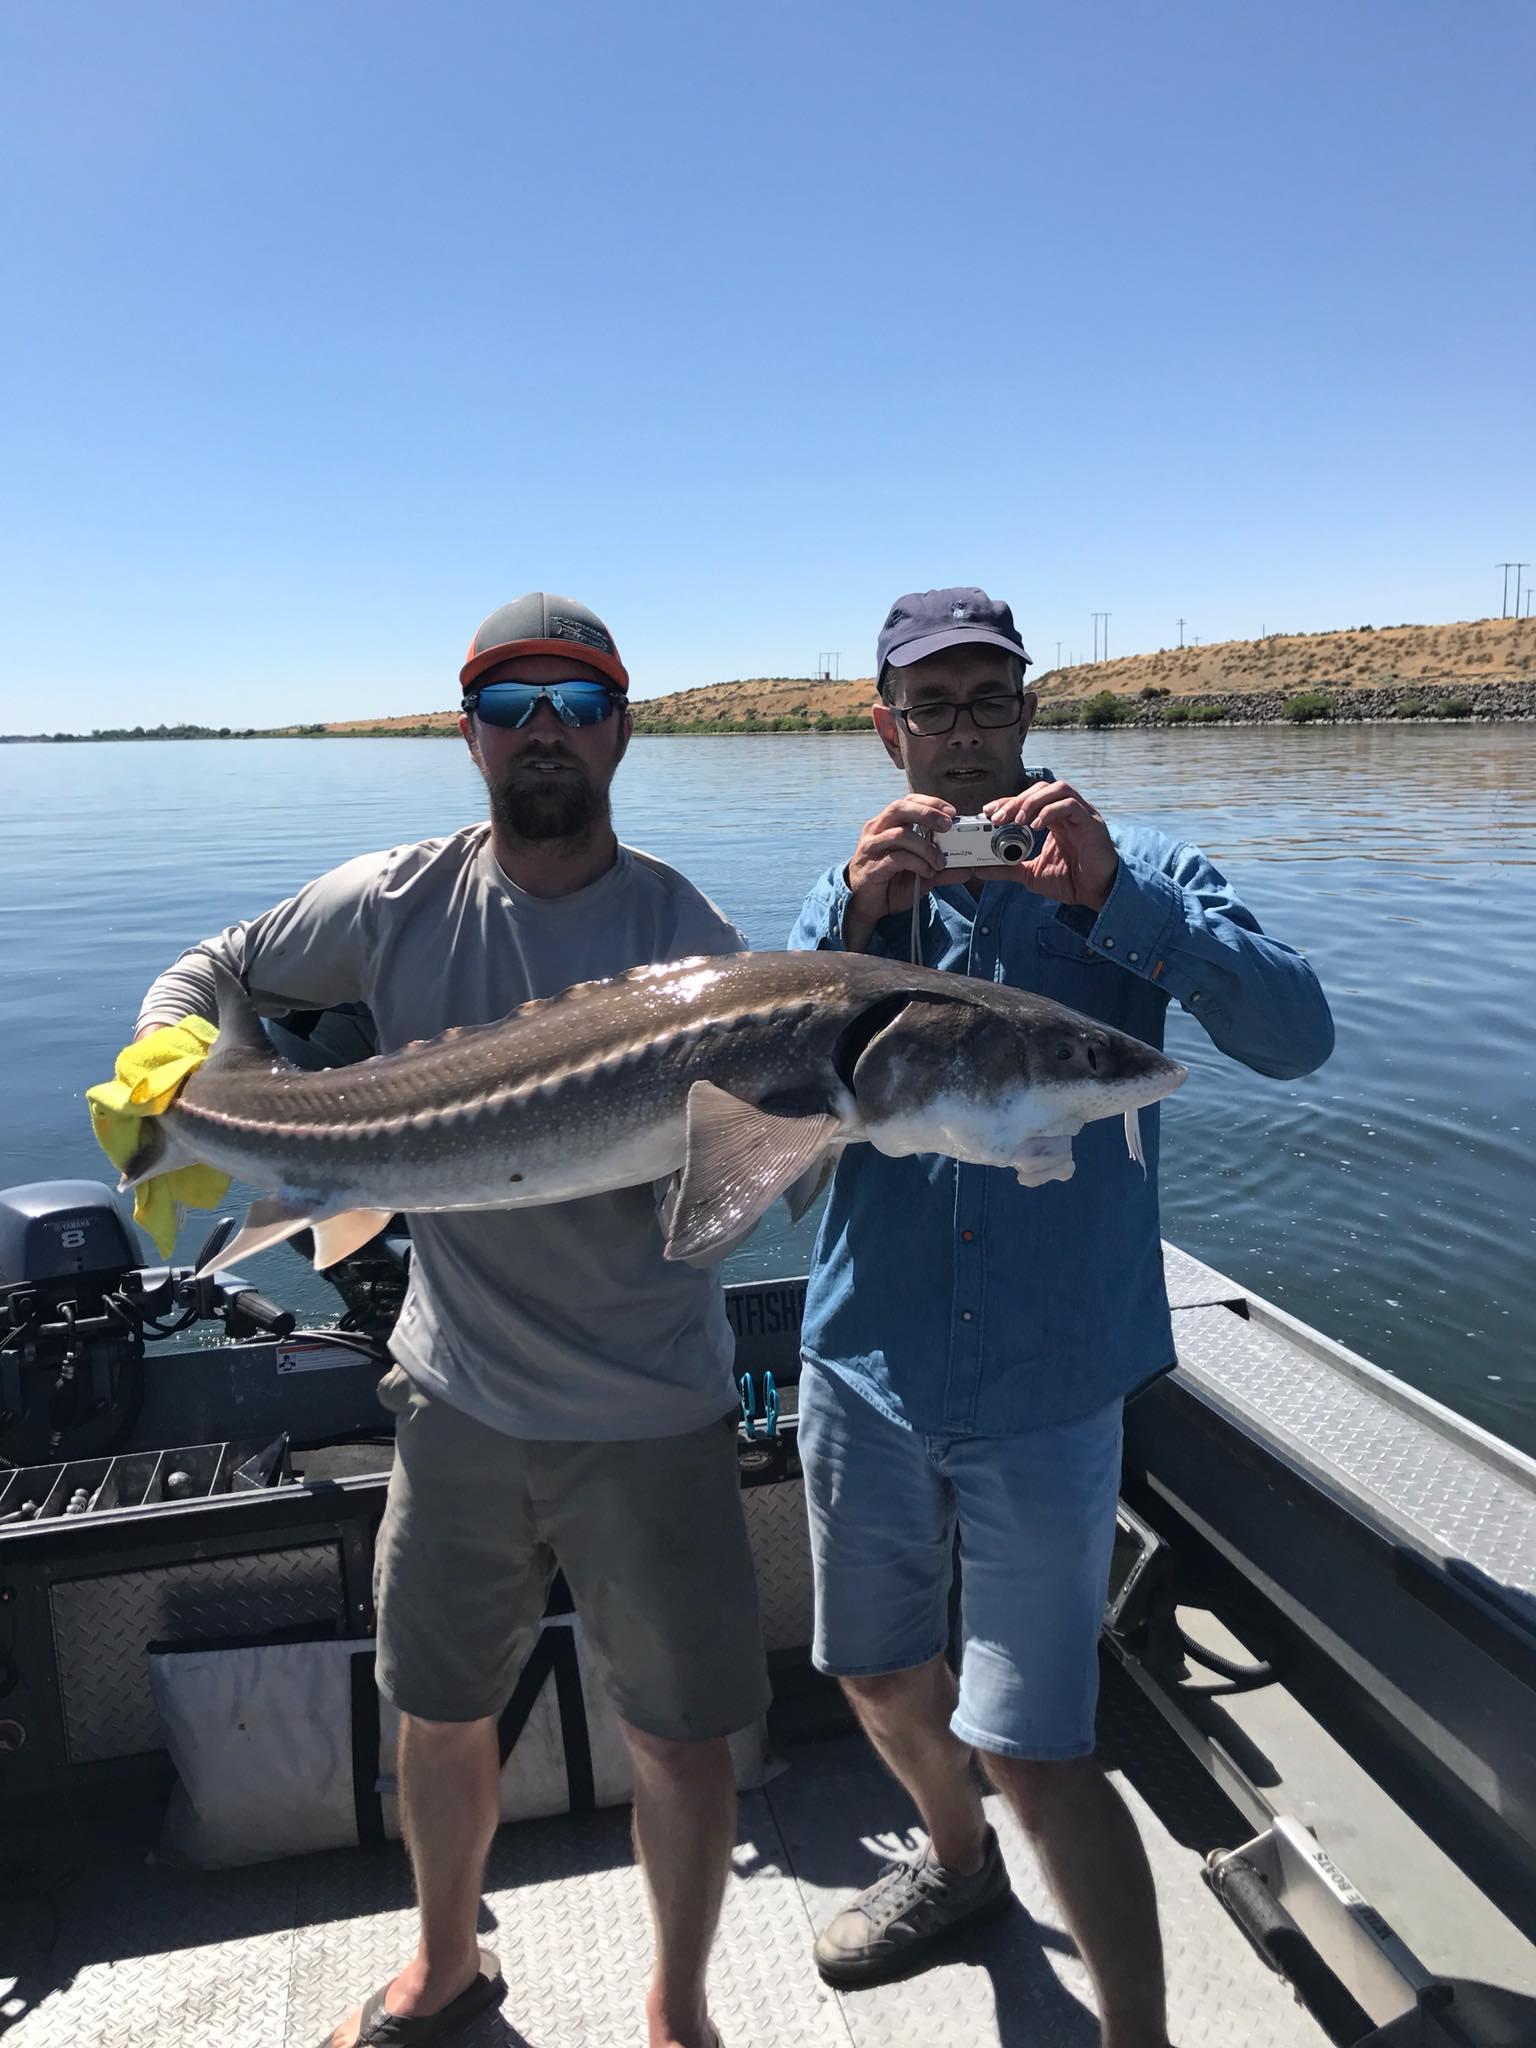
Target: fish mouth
[1045,1158]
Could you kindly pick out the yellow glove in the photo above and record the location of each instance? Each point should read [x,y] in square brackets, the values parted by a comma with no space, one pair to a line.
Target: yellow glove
[149,1077]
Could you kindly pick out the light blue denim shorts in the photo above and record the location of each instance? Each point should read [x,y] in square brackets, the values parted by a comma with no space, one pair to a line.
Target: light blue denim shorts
[1036,1519]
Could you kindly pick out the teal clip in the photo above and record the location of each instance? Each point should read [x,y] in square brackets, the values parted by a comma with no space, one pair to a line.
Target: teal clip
[748,1403]
[770,1405]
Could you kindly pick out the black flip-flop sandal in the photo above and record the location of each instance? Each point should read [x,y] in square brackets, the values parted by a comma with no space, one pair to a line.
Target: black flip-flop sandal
[380,2028]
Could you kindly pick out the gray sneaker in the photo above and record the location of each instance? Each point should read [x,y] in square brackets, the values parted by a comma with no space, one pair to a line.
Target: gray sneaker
[894,1925]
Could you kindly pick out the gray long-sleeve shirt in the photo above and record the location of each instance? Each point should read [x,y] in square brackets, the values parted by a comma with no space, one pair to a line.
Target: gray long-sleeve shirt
[556,1322]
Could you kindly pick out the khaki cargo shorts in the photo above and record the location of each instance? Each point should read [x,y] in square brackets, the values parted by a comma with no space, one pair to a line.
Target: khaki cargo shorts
[650,1536]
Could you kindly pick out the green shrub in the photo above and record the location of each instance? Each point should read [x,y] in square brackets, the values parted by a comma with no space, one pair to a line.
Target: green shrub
[1105,709]
[1306,706]
[1454,707]
[1207,714]
[1176,714]
[1151,690]
[1057,714]
[1408,707]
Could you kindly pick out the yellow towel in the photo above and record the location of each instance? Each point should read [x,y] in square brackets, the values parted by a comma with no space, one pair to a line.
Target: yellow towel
[148,1079]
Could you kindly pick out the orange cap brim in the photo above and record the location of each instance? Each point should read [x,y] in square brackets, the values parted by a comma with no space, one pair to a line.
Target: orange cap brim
[567,650]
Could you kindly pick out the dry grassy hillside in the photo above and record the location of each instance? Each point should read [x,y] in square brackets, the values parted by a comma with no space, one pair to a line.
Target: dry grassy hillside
[1436,657]
[1478,651]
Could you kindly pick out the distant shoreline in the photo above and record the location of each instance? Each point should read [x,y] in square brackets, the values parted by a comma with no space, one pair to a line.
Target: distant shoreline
[793,732]
[1505,701]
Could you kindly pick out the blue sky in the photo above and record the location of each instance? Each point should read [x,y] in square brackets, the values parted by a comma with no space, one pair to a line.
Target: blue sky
[332,325]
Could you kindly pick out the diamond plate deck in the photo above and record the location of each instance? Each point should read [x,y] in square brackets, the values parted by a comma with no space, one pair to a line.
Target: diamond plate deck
[1193,1285]
[271,1957]
[781,1554]
[102,1623]
[1466,1505]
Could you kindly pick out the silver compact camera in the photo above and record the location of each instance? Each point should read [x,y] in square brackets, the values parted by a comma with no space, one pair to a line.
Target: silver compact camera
[979,843]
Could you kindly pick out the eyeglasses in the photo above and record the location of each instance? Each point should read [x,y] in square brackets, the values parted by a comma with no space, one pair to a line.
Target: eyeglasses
[988,714]
[577,701]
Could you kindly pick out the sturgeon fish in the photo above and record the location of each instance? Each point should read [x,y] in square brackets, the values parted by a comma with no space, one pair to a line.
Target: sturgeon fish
[738,1078]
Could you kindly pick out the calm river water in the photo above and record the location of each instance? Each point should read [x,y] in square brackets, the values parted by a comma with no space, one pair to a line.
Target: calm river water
[1389,1199]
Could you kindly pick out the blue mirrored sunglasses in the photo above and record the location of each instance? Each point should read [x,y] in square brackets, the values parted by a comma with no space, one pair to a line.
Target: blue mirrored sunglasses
[576,702]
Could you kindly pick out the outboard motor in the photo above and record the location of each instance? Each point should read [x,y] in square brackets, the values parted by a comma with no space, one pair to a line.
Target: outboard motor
[71,1361]
[57,1234]
[76,1310]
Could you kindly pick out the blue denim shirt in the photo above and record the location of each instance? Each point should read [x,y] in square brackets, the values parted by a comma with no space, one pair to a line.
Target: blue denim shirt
[961,1303]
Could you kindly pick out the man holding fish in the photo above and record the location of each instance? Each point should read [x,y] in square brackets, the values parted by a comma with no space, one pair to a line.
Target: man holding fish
[562,1389]
[970,1342]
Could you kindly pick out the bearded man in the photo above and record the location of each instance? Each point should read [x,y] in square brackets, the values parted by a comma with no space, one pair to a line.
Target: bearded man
[536,1348]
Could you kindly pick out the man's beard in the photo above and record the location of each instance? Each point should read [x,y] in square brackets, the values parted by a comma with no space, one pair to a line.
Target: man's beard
[530,804]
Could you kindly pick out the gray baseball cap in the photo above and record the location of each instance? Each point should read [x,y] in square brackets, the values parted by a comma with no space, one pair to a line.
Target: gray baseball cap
[928,621]
[542,624]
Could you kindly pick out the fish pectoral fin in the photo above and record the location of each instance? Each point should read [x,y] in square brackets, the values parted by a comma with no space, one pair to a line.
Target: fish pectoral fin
[267,1222]
[801,1193]
[336,1236]
[739,1160]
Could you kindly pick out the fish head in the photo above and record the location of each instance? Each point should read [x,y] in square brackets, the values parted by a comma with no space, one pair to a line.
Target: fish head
[1006,1082]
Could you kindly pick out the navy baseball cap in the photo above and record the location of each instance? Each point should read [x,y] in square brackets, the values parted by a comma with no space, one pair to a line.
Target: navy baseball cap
[542,624]
[928,621]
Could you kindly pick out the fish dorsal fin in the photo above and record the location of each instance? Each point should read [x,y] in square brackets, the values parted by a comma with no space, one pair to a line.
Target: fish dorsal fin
[739,1159]
[240,1028]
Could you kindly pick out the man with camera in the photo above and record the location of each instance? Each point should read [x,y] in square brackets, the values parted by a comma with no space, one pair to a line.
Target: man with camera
[970,1342]
[562,1390]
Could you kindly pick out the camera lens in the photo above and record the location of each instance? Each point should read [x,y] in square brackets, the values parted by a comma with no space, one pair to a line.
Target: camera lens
[1013,843]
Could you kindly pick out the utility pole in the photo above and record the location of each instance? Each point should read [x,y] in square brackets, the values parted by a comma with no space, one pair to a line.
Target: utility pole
[1181,632]
[1506,567]
[1058,654]
[1518,567]
[1096,618]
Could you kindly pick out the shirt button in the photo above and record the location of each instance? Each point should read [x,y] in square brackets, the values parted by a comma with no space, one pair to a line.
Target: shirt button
[1195,997]
[965,1315]
[967,1235]
[1108,945]
[1133,956]
[986,931]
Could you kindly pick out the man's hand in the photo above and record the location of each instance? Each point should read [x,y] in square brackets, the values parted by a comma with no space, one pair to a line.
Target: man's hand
[1078,862]
[889,862]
